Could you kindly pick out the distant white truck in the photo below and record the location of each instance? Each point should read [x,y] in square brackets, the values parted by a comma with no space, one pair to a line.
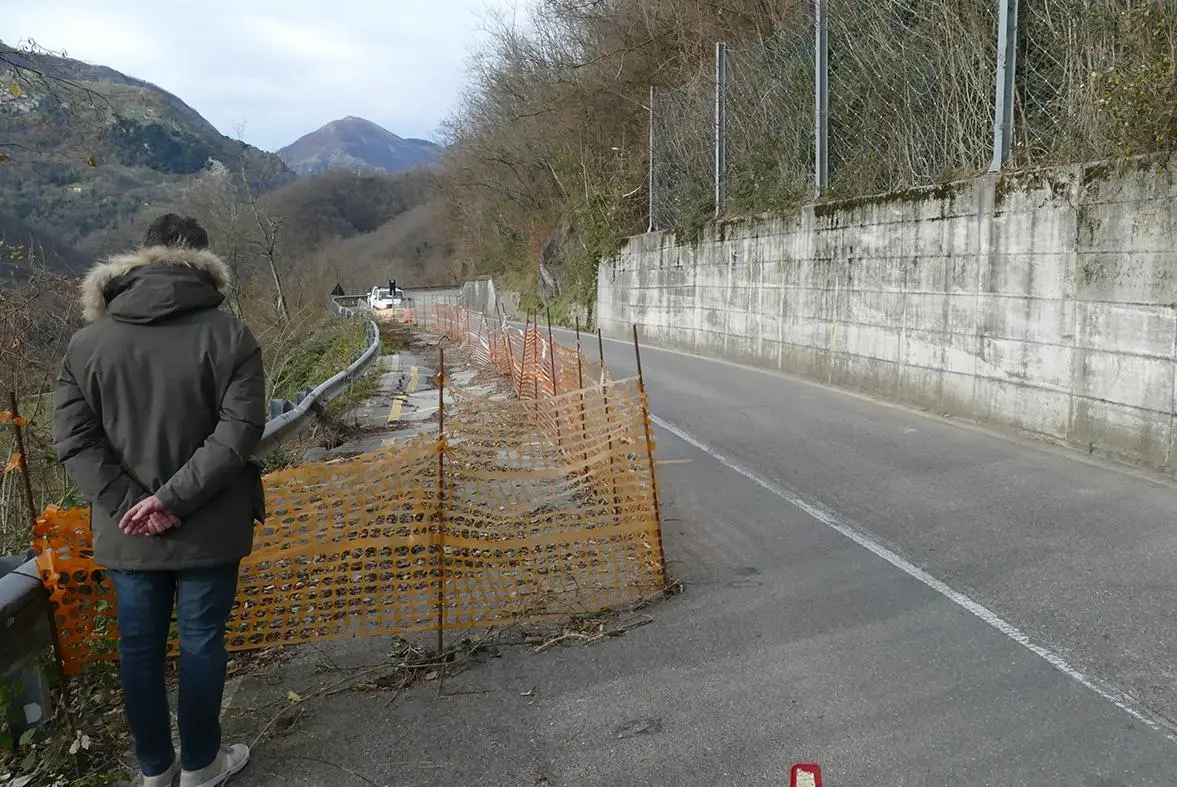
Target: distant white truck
[381,298]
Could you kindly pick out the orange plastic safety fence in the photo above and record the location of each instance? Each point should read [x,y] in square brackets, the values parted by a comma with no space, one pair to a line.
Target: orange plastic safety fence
[548,509]
[348,548]
[537,364]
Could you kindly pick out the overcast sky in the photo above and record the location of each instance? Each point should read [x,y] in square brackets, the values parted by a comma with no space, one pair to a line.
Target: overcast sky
[280,67]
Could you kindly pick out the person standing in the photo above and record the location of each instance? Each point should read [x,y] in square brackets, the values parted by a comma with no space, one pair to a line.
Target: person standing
[159,405]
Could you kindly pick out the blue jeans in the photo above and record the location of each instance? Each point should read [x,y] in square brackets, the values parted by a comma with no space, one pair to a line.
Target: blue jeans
[203,600]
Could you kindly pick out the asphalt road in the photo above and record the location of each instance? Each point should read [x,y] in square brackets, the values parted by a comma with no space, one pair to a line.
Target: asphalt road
[906,600]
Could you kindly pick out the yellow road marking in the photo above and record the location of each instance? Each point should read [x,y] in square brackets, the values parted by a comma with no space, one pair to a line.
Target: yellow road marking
[398,401]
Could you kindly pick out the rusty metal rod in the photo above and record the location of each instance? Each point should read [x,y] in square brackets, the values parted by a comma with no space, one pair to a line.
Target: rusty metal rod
[650,451]
[555,387]
[535,363]
[580,387]
[441,502]
[608,428]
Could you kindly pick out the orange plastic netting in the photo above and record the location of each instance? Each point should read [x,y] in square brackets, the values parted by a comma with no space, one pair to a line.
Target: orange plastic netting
[522,510]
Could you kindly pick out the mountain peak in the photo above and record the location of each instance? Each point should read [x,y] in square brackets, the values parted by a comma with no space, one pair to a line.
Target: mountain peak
[356,144]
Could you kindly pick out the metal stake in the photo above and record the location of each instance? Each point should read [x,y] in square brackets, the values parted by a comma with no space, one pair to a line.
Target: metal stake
[651,224]
[523,360]
[1003,102]
[608,427]
[720,127]
[649,450]
[821,78]
[580,387]
[441,511]
[555,387]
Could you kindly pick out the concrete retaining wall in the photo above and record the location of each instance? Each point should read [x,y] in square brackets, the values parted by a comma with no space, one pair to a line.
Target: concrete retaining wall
[1043,301]
[482,297]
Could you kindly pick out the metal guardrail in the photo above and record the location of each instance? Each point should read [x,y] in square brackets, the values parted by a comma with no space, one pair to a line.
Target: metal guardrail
[287,418]
[24,604]
[24,608]
[338,301]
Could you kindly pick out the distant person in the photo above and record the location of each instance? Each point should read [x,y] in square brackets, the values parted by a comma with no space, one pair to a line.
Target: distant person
[160,403]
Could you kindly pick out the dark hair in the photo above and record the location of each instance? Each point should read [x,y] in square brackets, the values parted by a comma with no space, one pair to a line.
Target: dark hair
[173,230]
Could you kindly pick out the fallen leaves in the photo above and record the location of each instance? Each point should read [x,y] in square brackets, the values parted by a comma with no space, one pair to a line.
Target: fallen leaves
[81,743]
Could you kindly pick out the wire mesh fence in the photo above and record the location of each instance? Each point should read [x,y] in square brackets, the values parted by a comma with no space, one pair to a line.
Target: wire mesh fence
[770,118]
[524,510]
[1096,79]
[912,93]
[682,156]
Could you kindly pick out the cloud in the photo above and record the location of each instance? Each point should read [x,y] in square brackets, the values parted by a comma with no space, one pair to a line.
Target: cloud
[281,68]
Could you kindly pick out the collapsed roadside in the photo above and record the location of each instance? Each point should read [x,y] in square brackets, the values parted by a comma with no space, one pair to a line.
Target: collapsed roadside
[500,450]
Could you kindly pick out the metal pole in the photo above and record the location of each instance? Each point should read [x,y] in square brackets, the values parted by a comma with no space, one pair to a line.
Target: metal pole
[1003,102]
[653,197]
[608,426]
[535,363]
[580,388]
[441,508]
[650,451]
[523,360]
[720,127]
[579,357]
[601,354]
[552,352]
[821,73]
[555,386]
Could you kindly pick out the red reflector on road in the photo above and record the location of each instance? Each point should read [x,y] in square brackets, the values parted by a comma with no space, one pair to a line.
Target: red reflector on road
[805,774]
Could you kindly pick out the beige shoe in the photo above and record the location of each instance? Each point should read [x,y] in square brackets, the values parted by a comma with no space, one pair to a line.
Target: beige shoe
[229,761]
[165,779]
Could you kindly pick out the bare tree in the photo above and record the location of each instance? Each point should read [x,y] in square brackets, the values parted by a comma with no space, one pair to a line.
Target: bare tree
[27,74]
[217,201]
[38,314]
[269,231]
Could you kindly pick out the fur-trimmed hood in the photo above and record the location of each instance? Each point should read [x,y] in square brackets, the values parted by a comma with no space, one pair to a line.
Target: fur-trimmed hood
[94,286]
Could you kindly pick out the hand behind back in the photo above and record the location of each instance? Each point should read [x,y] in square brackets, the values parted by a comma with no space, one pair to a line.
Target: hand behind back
[148,517]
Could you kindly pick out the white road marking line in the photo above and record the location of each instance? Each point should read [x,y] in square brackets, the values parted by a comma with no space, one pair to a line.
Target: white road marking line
[831,520]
